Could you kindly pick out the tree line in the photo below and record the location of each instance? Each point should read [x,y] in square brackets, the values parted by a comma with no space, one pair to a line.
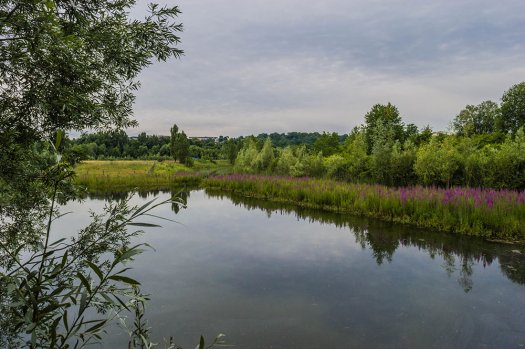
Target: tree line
[486,148]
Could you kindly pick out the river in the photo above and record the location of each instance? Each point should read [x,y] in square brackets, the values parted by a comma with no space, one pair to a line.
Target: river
[273,276]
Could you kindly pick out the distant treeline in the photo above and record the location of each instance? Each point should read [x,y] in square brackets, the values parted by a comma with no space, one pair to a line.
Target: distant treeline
[118,145]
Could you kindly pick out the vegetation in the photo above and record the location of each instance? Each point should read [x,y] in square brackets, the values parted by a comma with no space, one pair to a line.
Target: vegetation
[493,214]
[180,146]
[68,65]
[386,151]
[123,175]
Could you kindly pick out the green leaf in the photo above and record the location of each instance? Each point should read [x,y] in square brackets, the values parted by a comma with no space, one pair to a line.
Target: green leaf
[83,300]
[84,281]
[201,344]
[144,225]
[64,320]
[130,253]
[96,327]
[121,302]
[96,269]
[124,279]
[60,133]
[140,209]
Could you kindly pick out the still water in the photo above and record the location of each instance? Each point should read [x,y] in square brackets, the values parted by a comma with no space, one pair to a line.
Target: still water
[273,276]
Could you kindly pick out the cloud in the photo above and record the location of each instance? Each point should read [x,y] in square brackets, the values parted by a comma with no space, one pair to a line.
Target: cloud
[264,66]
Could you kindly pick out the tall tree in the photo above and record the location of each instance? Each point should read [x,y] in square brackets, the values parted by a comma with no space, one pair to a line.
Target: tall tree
[180,145]
[327,143]
[513,109]
[73,64]
[63,65]
[382,117]
[477,119]
[66,65]
[174,131]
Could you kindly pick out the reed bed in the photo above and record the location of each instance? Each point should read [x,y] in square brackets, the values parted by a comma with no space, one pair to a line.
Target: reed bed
[492,214]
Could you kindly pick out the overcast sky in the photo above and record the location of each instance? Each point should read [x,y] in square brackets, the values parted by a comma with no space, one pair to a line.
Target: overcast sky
[253,66]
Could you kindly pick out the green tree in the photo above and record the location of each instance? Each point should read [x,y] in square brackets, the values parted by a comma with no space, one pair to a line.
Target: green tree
[73,65]
[380,117]
[247,156]
[180,146]
[512,109]
[231,149]
[383,141]
[174,131]
[477,119]
[64,65]
[266,157]
[327,143]
[438,162]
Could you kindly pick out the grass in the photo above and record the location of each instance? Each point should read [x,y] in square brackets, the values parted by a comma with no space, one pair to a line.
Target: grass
[492,214]
[121,175]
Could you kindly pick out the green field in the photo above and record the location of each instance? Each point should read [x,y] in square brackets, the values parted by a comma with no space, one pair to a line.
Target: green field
[120,175]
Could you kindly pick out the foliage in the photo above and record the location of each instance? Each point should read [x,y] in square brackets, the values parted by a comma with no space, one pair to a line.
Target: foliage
[487,213]
[53,289]
[327,144]
[73,65]
[379,118]
[438,162]
[513,109]
[180,146]
[477,119]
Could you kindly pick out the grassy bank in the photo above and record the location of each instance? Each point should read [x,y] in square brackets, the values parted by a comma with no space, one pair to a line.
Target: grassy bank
[120,175]
[493,214]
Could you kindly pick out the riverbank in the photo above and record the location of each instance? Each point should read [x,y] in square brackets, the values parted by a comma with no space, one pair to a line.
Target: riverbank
[491,214]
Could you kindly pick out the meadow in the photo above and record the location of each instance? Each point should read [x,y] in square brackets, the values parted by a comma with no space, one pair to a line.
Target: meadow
[122,175]
[491,214]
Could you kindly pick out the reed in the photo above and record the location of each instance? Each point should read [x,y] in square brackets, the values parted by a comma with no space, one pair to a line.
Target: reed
[492,214]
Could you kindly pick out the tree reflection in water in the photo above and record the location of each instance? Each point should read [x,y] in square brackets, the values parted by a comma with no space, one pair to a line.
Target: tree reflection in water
[459,253]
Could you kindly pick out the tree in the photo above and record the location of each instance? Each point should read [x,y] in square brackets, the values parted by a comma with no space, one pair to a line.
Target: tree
[67,65]
[438,162]
[477,119]
[512,109]
[327,143]
[180,145]
[382,116]
[266,157]
[73,65]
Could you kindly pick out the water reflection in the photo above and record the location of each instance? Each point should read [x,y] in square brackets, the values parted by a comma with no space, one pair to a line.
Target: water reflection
[459,253]
[276,276]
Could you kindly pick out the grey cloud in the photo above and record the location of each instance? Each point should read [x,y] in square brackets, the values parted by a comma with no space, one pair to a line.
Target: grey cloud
[262,66]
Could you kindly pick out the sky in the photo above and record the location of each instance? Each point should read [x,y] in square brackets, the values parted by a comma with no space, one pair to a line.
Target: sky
[254,66]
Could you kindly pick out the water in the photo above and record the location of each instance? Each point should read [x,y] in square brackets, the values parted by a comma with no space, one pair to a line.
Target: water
[271,276]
